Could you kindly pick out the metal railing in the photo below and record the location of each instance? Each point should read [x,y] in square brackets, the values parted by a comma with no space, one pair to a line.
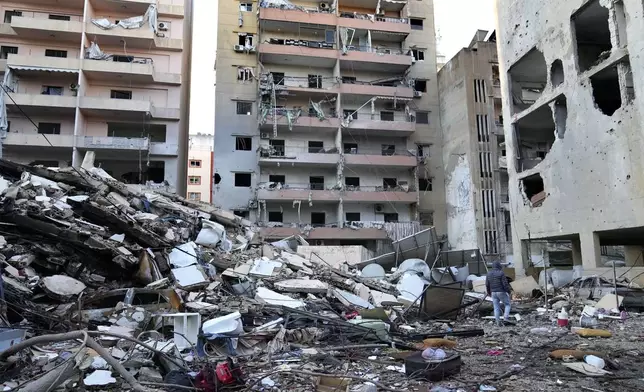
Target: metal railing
[295,186]
[283,151]
[382,152]
[357,15]
[121,58]
[377,50]
[399,188]
[301,42]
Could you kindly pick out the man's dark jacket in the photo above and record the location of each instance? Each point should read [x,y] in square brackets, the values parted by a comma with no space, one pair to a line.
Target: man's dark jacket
[496,281]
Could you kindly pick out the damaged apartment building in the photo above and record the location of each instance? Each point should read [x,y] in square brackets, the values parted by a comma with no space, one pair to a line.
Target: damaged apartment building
[108,76]
[327,118]
[572,90]
[476,177]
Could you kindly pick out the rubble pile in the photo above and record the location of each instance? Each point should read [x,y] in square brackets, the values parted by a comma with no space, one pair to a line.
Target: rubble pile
[109,286]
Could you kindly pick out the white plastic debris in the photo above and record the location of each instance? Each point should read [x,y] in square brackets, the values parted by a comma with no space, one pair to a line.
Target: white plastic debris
[272,298]
[267,382]
[183,255]
[230,324]
[211,233]
[373,271]
[118,238]
[189,276]
[99,377]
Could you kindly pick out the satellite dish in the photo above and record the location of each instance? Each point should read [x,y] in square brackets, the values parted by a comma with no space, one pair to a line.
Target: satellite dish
[373,271]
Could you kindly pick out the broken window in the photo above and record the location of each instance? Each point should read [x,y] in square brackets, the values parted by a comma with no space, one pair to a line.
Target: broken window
[561,116]
[426,218]
[349,79]
[277,147]
[534,189]
[418,55]
[217,178]
[318,218]
[315,81]
[10,14]
[122,59]
[556,73]
[425,184]
[245,40]
[316,183]
[316,147]
[55,53]
[49,128]
[592,34]
[528,78]
[277,178]
[5,51]
[51,90]
[346,113]
[194,196]
[120,94]
[242,214]
[420,85]
[606,92]
[388,149]
[489,203]
[416,24]
[244,108]
[278,78]
[352,182]
[243,143]
[350,148]
[194,180]
[535,134]
[352,216]
[246,7]
[243,180]
[244,74]
[485,163]
[66,18]
[195,163]
[389,183]
[275,216]
[391,217]
[490,242]
[422,117]
[423,150]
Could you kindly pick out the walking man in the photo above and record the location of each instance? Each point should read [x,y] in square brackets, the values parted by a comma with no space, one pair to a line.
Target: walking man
[498,287]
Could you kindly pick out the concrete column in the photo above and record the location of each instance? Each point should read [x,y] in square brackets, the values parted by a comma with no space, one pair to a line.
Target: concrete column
[590,250]
[633,255]
[341,214]
[576,253]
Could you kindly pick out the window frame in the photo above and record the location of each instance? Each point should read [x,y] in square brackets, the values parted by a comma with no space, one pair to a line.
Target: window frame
[190,178]
[250,179]
[196,166]
[240,141]
[239,108]
[54,52]
[121,94]
[197,198]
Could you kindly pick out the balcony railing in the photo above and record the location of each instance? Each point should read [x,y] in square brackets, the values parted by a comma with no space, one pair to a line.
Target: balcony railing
[282,151]
[377,50]
[109,142]
[119,58]
[301,42]
[296,186]
[381,152]
[398,188]
[377,18]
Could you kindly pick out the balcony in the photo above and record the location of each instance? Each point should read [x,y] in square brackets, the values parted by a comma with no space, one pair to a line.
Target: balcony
[40,104]
[126,109]
[367,89]
[159,148]
[372,58]
[112,143]
[298,52]
[47,29]
[298,192]
[38,140]
[134,7]
[301,123]
[42,64]
[269,15]
[381,128]
[302,85]
[139,70]
[381,158]
[143,38]
[503,163]
[275,156]
[378,194]
[356,20]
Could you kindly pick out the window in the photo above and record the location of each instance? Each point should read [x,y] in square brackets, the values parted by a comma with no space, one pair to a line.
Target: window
[350,148]
[425,184]
[316,183]
[277,178]
[277,147]
[388,149]
[194,196]
[426,218]
[243,143]
[422,117]
[275,216]
[245,40]
[419,55]
[51,90]
[278,78]
[55,53]
[329,36]
[5,51]
[195,163]
[416,24]
[10,14]
[242,180]
[422,150]
[318,218]
[246,7]
[316,147]
[121,94]
[315,81]
[349,79]
[245,108]
[194,180]
[389,183]
[350,113]
[60,17]
[8,126]
[420,85]
[352,181]
[244,74]
[242,214]
[391,217]
[49,128]
[386,116]
[352,216]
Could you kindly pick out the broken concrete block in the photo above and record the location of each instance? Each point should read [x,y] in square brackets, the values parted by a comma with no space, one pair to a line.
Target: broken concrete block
[270,297]
[362,291]
[184,255]
[380,298]
[265,268]
[524,286]
[190,277]
[99,377]
[302,286]
[149,374]
[62,287]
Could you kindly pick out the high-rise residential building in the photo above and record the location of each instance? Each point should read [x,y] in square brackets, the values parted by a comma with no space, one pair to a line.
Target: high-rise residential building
[327,116]
[476,178]
[110,76]
[200,162]
[572,100]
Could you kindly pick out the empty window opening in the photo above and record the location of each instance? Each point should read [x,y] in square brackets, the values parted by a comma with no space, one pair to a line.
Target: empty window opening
[528,78]
[316,183]
[120,94]
[534,189]
[242,180]
[620,22]
[277,147]
[389,183]
[242,214]
[391,217]
[10,14]
[318,218]
[561,116]
[243,143]
[350,148]
[426,218]
[425,184]
[194,196]
[49,128]
[556,73]
[195,163]
[245,108]
[55,53]
[122,59]
[592,34]
[278,78]
[352,182]
[535,135]
[277,178]
[245,40]
[194,180]
[346,113]
[352,216]
[606,92]
[420,85]
[315,81]
[418,55]
[316,147]
[388,149]
[275,216]
[217,178]
[416,24]
[244,74]
[60,17]
[5,51]
[422,117]
[423,150]
[156,133]
[51,90]
[246,7]
[349,79]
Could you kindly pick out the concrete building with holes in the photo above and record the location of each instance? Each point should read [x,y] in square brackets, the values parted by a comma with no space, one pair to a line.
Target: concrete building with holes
[476,177]
[572,82]
[200,162]
[327,117]
[88,83]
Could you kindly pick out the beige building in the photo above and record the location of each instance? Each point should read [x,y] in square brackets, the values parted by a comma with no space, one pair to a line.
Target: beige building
[327,116]
[200,162]
[572,88]
[109,76]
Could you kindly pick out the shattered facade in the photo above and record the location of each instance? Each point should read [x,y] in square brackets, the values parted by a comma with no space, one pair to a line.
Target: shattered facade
[101,75]
[476,178]
[327,117]
[570,86]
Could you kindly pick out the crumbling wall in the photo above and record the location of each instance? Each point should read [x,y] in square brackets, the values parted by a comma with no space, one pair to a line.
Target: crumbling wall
[461,215]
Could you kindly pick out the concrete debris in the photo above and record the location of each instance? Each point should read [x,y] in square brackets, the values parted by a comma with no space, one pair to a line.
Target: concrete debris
[139,286]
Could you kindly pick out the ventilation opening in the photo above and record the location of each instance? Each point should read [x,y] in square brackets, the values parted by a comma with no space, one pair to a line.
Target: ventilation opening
[606,91]
[535,135]
[534,189]
[561,116]
[556,73]
[528,77]
[592,34]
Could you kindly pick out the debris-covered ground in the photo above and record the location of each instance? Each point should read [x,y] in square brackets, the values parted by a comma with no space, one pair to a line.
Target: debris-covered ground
[108,286]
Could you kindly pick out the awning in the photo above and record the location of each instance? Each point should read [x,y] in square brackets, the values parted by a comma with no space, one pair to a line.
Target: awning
[41,69]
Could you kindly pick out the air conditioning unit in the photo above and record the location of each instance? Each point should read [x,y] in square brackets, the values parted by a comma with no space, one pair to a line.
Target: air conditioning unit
[323,6]
[418,94]
[265,135]
[379,208]
[163,26]
[239,48]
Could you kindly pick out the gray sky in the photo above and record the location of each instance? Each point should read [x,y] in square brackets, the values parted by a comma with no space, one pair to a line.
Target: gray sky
[458,20]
